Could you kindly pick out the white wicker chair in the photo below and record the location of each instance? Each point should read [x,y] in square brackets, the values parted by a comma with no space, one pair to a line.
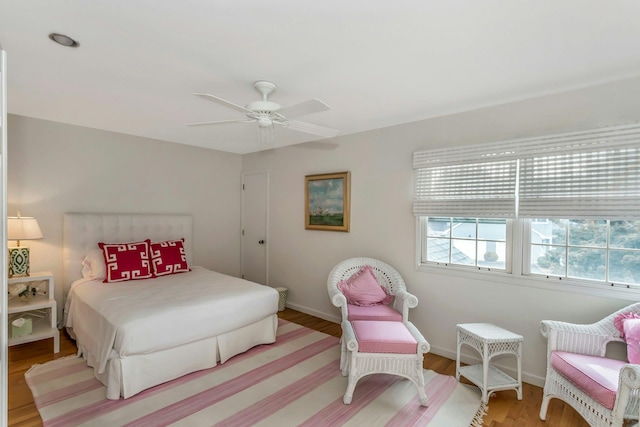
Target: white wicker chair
[386,276]
[590,340]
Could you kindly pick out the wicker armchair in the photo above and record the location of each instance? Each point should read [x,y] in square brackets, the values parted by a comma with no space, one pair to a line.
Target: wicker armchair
[386,276]
[590,340]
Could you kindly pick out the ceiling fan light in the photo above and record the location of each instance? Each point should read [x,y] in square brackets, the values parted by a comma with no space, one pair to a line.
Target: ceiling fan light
[265,122]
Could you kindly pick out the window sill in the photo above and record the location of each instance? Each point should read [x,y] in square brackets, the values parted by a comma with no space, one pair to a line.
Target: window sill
[556,284]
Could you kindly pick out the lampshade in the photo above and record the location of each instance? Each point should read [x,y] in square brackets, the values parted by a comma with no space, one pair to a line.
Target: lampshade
[23,228]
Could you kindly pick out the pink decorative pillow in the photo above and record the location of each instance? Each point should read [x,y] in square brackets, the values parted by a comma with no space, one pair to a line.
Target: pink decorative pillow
[632,334]
[363,289]
[126,261]
[168,257]
[618,321]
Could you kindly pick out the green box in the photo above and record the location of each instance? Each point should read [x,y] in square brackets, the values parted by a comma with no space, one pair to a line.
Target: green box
[24,330]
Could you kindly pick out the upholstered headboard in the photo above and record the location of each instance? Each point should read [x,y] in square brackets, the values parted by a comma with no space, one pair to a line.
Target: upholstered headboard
[83,231]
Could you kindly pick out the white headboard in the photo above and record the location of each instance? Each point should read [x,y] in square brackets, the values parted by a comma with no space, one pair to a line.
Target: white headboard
[83,231]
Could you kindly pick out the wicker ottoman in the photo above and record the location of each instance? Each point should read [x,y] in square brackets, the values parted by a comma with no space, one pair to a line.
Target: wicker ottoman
[383,347]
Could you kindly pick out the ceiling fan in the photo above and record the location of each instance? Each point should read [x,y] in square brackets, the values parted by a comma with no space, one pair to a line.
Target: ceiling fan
[268,113]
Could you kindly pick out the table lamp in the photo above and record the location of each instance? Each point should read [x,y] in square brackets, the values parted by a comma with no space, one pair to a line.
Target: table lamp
[21,228]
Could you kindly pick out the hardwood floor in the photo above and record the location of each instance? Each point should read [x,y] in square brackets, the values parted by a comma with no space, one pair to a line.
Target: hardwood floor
[504,409]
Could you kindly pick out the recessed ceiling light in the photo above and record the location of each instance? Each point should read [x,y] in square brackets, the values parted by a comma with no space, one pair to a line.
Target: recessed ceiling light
[63,40]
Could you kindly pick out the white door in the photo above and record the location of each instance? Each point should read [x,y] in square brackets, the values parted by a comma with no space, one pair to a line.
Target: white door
[255,202]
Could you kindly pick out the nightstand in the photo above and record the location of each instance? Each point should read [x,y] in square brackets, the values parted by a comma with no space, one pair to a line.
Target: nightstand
[40,308]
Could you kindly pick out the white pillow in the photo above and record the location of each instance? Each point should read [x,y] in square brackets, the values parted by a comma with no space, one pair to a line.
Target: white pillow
[93,266]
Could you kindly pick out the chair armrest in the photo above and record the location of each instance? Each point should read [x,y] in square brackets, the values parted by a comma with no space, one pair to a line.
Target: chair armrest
[423,345]
[590,339]
[403,302]
[337,298]
[628,384]
[348,336]
[630,376]
[410,300]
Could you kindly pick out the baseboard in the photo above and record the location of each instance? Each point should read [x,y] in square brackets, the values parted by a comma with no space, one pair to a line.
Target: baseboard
[315,313]
[473,360]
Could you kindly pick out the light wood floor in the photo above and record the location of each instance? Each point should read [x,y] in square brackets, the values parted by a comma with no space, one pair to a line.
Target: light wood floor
[504,409]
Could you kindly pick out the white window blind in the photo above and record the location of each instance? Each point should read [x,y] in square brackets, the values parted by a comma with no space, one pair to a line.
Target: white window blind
[589,174]
[582,175]
[468,182]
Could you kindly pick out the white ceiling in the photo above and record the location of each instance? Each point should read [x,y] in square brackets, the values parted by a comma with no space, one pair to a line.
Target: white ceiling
[376,63]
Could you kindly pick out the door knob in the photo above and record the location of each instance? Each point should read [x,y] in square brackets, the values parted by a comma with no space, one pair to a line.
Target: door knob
[261,242]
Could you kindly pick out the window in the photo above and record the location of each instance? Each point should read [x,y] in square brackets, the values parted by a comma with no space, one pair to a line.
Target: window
[469,199]
[471,242]
[598,250]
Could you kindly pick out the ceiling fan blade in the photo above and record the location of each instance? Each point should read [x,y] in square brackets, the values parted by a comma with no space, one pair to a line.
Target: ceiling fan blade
[310,128]
[304,108]
[223,102]
[219,122]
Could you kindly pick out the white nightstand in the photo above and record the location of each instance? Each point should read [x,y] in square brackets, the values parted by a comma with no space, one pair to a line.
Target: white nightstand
[41,308]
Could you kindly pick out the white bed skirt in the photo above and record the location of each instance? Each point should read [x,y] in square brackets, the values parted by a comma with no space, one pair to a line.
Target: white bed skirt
[127,376]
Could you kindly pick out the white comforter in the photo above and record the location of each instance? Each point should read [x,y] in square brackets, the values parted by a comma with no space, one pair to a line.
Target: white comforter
[144,316]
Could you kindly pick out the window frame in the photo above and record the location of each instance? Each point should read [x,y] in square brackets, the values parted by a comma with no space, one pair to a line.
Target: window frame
[519,252]
[422,236]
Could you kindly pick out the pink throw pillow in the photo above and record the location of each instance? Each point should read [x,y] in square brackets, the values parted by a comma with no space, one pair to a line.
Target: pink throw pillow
[632,334]
[618,321]
[168,257]
[126,261]
[363,289]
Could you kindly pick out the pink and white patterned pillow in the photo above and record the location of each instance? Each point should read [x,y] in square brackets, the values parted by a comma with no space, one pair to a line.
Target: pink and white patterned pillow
[169,257]
[126,261]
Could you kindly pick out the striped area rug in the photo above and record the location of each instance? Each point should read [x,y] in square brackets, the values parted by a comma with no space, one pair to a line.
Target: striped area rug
[294,382]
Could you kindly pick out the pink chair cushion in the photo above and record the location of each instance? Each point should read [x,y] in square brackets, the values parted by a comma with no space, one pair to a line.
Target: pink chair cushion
[596,376]
[378,336]
[373,312]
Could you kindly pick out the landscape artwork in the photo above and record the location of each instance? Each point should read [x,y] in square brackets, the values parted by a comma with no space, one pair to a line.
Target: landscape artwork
[327,201]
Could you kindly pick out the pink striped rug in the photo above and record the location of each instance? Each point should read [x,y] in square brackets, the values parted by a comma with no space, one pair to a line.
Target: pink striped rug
[294,382]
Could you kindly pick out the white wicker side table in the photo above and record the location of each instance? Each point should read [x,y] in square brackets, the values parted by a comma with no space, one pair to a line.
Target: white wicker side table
[490,340]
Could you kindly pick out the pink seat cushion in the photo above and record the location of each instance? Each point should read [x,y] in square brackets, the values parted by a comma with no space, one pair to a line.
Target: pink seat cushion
[379,336]
[373,312]
[596,376]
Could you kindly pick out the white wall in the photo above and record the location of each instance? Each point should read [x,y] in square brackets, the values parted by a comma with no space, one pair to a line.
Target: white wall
[382,225]
[56,168]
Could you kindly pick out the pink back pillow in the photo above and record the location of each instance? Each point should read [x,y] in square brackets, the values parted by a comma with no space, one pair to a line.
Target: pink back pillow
[632,336]
[363,289]
[618,321]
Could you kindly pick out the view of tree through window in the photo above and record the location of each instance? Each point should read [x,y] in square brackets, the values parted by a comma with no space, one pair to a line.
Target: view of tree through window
[601,250]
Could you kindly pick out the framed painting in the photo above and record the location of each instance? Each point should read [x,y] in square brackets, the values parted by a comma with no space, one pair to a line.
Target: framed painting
[327,201]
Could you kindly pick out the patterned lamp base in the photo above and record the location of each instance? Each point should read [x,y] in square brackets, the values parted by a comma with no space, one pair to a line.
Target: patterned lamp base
[18,261]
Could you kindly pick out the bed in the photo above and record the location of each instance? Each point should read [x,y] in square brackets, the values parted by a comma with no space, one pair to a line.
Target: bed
[140,333]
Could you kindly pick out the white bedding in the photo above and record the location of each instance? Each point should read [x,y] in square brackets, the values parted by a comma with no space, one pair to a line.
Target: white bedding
[116,320]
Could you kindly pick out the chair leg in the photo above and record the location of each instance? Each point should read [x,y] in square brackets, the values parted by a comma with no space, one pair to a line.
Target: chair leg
[546,398]
[419,382]
[351,386]
[423,396]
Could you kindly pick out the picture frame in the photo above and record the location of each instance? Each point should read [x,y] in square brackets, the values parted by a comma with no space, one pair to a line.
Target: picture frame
[328,201]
